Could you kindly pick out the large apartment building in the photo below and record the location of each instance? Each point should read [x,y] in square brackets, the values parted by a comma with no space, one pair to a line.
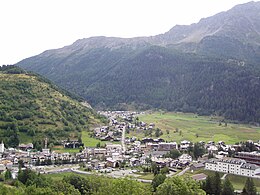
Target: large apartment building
[233,166]
[250,157]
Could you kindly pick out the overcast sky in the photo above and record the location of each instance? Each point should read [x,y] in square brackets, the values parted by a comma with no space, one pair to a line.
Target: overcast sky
[29,27]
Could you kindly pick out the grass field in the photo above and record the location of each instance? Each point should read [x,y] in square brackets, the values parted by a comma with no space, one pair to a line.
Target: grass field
[237,181]
[61,149]
[92,142]
[207,172]
[59,176]
[146,176]
[196,128]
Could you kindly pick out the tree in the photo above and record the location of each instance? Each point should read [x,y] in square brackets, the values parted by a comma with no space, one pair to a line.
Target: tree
[198,150]
[51,145]
[136,121]
[228,188]
[79,139]
[155,168]
[98,145]
[179,186]
[173,154]
[158,132]
[13,138]
[29,177]
[158,180]
[66,188]
[216,184]
[164,170]
[249,188]
[20,163]
[80,183]
[8,174]
[207,185]
[81,148]
[124,187]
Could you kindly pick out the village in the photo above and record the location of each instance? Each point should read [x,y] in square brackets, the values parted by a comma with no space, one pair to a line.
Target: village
[122,155]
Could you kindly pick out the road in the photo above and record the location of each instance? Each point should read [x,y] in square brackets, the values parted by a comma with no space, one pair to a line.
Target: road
[224,176]
[123,140]
[183,171]
[114,174]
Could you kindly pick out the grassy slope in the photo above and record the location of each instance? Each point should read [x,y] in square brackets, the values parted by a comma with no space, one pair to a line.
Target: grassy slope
[206,128]
[238,182]
[51,112]
[89,141]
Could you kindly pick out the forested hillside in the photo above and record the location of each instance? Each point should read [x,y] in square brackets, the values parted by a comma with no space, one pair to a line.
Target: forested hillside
[212,67]
[32,109]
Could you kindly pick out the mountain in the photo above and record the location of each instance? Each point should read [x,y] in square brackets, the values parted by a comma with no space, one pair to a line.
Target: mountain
[235,33]
[211,67]
[32,108]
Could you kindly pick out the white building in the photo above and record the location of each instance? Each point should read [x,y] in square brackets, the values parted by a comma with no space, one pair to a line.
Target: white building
[112,148]
[185,158]
[184,145]
[233,166]
[2,147]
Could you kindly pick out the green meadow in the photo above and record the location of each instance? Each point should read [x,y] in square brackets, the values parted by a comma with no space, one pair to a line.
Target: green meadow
[183,126]
[237,181]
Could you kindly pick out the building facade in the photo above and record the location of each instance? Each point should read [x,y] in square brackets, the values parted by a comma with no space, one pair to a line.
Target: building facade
[250,157]
[233,166]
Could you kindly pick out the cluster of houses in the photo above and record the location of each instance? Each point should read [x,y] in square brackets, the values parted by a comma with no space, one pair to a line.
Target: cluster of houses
[136,155]
[114,131]
[109,133]
[135,152]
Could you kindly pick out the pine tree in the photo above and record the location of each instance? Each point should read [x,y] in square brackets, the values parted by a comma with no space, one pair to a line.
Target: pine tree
[228,188]
[158,180]
[207,185]
[249,188]
[216,184]
[8,174]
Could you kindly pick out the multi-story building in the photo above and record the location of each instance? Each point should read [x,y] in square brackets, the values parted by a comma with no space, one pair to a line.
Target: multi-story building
[233,166]
[163,146]
[250,157]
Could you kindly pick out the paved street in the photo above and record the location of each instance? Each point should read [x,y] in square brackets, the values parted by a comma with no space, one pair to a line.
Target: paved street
[123,140]
[183,171]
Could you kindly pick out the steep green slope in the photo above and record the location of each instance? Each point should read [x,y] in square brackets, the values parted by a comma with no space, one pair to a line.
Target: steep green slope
[32,109]
[159,78]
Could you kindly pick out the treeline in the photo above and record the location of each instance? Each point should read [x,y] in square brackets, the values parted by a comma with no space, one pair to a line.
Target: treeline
[11,69]
[214,185]
[29,182]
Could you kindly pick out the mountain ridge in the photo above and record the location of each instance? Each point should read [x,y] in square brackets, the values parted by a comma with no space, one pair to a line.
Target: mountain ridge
[165,71]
